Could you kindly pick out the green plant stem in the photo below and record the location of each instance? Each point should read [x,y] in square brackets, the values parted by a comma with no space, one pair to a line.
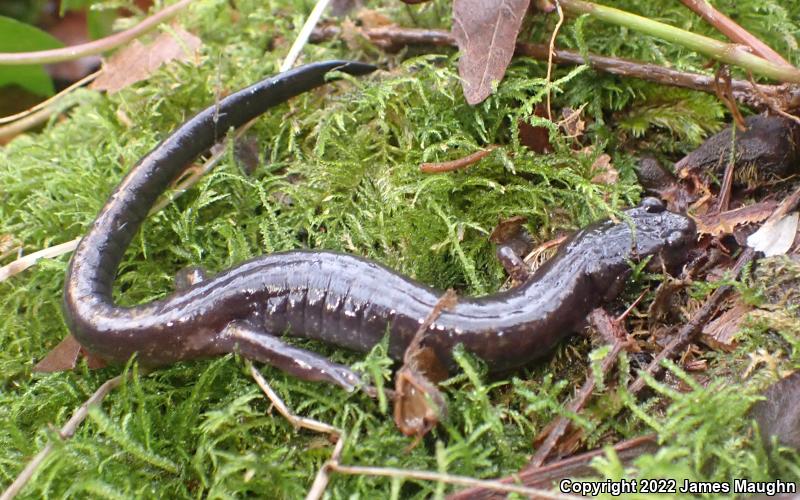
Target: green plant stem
[726,52]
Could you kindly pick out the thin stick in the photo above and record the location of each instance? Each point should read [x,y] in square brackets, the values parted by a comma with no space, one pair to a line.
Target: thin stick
[323,474]
[447,478]
[277,402]
[66,432]
[727,183]
[305,33]
[630,308]
[458,163]
[733,31]
[24,263]
[574,466]
[730,53]
[392,37]
[95,47]
[550,52]
[692,329]
[722,85]
[771,102]
[601,321]
[23,124]
[80,83]
[786,206]
[446,302]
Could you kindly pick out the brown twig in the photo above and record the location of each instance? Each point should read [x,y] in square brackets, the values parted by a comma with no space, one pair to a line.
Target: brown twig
[418,403]
[457,164]
[278,404]
[689,332]
[722,87]
[550,51]
[772,105]
[29,260]
[726,188]
[66,432]
[630,308]
[602,321]
[323,476]
[575,466]
[95,47]
[447,301]
[787,97]
[423,475]
[786,206]
[733,31]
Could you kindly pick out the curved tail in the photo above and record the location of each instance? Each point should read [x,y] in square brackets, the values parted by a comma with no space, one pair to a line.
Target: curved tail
[93,268]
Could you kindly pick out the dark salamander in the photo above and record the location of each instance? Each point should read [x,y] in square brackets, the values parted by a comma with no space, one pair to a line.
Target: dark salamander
[337,298]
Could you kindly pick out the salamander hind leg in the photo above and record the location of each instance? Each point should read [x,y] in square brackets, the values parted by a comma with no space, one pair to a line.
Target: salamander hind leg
[189,276]
[254,343]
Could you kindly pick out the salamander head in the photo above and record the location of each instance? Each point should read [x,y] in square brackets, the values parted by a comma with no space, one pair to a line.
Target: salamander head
[604,251]
[649,230]
[667,236]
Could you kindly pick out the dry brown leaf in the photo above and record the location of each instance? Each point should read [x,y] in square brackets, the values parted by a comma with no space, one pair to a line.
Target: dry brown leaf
[571,122]
[719,333]
[138,61]
[507,229]
[663,304]
[603,171]
[535,137]
[373,19]
[725,222]
[352,35]
[64,357]
[486,34]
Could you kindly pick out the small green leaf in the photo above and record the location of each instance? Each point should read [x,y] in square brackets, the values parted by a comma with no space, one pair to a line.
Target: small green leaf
[19,37]
[100,22]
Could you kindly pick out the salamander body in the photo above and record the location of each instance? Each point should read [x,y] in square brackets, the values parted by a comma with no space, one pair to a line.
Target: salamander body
[337,298]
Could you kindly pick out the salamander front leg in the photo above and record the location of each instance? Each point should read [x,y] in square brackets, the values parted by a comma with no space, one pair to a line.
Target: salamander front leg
[256,344]
[512,263]
[512,241]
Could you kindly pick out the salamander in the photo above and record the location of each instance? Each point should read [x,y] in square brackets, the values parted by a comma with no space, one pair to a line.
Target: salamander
[337,298]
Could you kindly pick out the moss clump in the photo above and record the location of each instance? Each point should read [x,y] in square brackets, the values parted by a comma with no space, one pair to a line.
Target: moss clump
[339,171]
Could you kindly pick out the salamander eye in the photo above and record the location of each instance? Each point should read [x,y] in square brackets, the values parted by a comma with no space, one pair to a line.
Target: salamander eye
[653,205]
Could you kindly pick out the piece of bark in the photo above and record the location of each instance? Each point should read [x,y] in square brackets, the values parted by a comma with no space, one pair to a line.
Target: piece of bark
[769,149]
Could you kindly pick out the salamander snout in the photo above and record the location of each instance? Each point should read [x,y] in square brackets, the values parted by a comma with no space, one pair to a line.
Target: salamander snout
[664,235]
[674,236]
[653,205]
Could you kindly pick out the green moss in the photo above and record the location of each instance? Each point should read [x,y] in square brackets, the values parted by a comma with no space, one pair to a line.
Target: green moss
[340,172]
